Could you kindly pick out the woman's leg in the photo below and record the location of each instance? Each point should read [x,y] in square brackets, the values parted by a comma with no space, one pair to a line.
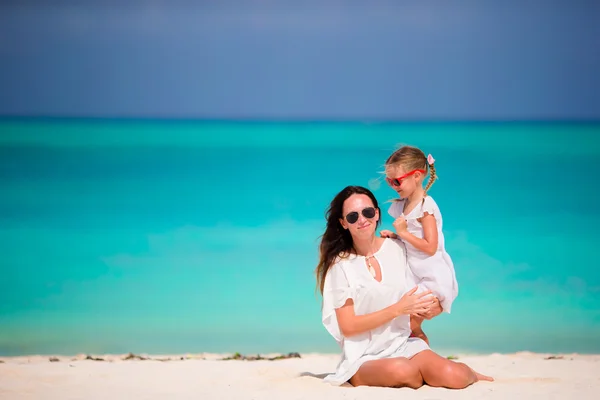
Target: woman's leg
[438,371]
[388,372]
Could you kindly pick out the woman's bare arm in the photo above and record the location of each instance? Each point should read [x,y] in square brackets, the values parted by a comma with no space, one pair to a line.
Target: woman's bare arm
[352,324]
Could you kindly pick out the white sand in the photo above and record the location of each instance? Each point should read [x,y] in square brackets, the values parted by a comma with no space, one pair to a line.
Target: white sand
[518,376]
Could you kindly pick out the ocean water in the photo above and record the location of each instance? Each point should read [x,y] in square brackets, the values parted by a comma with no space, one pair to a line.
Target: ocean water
[162,236]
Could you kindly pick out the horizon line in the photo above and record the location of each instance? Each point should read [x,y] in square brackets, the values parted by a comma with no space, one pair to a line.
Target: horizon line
[41,117]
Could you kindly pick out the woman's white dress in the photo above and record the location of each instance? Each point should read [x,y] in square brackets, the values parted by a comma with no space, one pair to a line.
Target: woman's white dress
[435,273]
[349,278]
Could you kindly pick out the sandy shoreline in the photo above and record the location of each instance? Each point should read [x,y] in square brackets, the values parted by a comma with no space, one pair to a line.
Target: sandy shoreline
[206,376]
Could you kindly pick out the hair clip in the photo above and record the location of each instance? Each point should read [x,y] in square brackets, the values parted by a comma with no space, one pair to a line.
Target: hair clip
[430,159]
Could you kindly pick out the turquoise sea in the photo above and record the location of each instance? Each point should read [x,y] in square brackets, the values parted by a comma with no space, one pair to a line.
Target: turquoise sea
[159,236]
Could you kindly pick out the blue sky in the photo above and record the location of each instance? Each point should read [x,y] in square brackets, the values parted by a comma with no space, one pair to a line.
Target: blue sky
[286,59]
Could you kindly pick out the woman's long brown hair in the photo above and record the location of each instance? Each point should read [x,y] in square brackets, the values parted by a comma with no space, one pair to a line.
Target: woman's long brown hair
[337,241]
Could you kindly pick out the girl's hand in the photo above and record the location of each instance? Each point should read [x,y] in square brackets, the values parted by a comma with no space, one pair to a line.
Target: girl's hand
[412,303]
[400,224]
[388,234]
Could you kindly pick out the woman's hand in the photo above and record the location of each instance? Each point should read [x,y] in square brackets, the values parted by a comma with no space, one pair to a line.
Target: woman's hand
[388,234]
[412,303]
[434,310]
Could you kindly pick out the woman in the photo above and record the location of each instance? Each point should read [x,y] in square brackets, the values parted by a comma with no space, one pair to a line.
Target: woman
[368,297]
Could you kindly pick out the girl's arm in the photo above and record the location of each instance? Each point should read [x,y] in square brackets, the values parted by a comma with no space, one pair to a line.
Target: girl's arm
[352,324]
[429,243]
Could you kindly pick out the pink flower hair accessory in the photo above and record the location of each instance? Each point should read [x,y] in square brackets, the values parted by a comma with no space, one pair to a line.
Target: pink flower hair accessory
[430,159]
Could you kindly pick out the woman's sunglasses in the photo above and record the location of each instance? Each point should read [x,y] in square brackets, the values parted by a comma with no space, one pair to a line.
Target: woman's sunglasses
[398,181]
[368,212]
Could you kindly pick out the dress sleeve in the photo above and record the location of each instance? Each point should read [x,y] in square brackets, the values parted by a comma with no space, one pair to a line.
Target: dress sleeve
[335,293]
[429,207]
[395,209]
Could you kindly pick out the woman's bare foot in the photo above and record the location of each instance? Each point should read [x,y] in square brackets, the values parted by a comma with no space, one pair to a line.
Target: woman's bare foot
[481,377]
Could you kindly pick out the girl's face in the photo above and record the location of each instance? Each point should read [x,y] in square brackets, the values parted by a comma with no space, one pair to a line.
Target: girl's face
[402,181]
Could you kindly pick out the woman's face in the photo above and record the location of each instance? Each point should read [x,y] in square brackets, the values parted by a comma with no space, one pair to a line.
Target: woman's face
[359,215]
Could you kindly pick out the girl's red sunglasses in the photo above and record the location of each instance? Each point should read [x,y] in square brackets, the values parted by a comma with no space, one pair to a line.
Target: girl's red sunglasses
[398,181]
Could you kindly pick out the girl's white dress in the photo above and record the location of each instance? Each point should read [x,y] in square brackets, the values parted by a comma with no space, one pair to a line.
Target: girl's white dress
[349,278]
[435,273]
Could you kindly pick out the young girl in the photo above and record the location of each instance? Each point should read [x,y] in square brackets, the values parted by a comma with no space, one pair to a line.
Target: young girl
[418,222]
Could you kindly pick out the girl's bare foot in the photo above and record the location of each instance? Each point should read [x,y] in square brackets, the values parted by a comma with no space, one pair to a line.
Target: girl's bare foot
[418,333]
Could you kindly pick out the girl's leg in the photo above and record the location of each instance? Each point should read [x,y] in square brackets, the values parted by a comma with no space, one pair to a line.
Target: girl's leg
[388,372]
[417,331]
[438,371]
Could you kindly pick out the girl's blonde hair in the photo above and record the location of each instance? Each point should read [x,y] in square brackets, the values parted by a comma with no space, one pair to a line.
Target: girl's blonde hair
[411,158]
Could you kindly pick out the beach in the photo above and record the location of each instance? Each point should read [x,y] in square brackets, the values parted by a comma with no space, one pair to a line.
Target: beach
[207,376]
